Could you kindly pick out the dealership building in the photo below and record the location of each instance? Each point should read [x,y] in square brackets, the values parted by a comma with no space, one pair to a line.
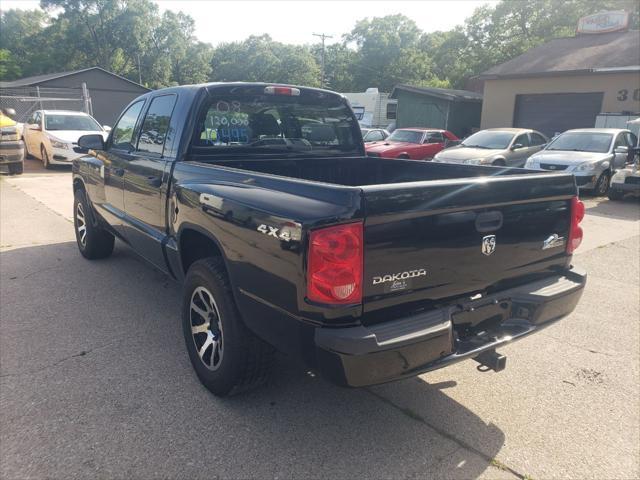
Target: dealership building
[568,82]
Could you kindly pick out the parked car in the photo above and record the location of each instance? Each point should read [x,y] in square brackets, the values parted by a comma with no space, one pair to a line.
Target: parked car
[591,154]
[495,146]
[11,144]
[626,181]
[50,135]
[374,134]
[412,143]
[284,234]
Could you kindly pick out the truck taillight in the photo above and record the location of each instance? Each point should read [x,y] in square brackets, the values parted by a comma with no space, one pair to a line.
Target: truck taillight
[334,273]
[289,91]
[575,232]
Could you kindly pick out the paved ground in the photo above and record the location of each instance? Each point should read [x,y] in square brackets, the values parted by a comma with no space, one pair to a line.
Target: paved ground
[95,381]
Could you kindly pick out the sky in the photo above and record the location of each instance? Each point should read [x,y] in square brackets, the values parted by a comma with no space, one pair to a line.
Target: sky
[296,21]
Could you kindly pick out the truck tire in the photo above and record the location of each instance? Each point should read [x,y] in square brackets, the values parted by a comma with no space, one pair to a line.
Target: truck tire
[615,194]
[226,356]
[16,168]
[93,241]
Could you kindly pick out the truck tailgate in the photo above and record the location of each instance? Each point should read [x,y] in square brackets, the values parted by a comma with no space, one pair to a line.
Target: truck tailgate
[430,241]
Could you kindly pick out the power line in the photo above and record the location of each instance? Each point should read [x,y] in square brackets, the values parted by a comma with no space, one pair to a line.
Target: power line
[323,37]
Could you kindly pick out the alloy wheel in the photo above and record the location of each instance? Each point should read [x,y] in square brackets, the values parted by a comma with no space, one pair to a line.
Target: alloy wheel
[603,184]
[81,225]
[206,328]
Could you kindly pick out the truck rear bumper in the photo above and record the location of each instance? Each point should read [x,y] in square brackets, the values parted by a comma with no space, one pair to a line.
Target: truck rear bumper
[360,356]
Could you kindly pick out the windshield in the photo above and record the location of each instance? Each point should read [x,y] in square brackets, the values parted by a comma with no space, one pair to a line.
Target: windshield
[408,136]
[582,142]
[70,122]
[312,122]
[489,139]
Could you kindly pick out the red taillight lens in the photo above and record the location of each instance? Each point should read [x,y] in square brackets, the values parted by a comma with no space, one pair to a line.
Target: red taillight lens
[575,232]
[334,273]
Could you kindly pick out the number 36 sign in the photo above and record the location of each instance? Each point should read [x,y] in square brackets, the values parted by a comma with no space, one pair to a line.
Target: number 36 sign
[626,94]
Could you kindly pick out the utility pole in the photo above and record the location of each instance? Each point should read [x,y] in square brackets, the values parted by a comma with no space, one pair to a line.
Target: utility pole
[323,37]
[139,71]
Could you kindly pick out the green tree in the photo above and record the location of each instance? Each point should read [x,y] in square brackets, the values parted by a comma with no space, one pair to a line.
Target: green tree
[260,59]
[389,53]
[9,68]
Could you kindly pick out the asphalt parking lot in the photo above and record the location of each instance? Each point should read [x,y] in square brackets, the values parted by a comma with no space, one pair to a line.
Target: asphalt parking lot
[95,380]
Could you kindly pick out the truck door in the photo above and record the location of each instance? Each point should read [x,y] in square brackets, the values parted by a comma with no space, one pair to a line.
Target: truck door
[116,156]
[144,183]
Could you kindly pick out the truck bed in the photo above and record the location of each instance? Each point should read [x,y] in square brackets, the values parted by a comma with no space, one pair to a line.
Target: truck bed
[361,171]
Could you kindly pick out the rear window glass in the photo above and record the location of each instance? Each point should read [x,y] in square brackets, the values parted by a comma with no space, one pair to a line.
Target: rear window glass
[313,122]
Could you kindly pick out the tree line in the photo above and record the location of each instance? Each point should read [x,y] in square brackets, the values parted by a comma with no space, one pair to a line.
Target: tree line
[133,39]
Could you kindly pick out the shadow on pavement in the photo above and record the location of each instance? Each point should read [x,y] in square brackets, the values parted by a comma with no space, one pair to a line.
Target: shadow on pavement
[34,166]
[95,379]
[627,209]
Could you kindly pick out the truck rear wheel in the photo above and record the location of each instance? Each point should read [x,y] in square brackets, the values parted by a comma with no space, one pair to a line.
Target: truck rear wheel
[16,168]
[615,194]
[226,356]
[93,242]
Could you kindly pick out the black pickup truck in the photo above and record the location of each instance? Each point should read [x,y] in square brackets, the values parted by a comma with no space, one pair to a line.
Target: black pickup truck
[259,199]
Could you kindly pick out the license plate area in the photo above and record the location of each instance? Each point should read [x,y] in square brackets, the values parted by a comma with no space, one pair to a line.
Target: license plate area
[476,318]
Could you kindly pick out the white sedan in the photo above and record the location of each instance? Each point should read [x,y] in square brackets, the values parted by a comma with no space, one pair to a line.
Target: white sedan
[50,135]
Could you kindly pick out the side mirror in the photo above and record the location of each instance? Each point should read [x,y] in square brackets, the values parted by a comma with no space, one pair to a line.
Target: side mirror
[107,128]
[89,142]
[624,150]
[516,146]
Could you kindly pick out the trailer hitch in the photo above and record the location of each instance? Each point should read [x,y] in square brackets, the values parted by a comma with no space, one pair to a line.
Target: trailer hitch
[491,360]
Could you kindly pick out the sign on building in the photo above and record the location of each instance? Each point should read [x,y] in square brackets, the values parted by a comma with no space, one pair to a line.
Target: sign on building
[604,22]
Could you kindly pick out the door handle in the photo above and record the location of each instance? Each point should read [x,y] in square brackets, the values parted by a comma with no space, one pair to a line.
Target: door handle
[489,221]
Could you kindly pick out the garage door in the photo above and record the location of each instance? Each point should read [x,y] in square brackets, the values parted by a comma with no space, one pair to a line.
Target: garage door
[552,113]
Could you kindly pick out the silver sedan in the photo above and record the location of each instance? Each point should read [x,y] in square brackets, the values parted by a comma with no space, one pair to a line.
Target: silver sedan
[495,146]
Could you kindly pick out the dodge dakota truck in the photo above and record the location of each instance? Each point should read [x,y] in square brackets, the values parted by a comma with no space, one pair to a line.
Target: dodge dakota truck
[260,200]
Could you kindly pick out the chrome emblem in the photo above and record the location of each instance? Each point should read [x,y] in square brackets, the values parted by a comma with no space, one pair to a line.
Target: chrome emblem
[488,244]
[553,241]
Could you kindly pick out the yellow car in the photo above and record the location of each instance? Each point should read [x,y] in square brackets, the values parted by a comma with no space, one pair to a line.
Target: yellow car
[11,144]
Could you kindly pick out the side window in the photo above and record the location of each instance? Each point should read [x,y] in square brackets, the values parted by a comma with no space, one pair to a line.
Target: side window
[155,127]
[434,137]
[537,139]
[392,109]
[124,130]
[32,119]
[633,140]
[374,136]
[621,141]
[522,140]
[37,118]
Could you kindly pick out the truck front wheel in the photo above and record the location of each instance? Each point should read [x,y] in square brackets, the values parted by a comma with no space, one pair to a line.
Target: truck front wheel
[226,356]
[93,242]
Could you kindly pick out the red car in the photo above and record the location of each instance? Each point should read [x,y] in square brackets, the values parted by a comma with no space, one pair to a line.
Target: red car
[413,143]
